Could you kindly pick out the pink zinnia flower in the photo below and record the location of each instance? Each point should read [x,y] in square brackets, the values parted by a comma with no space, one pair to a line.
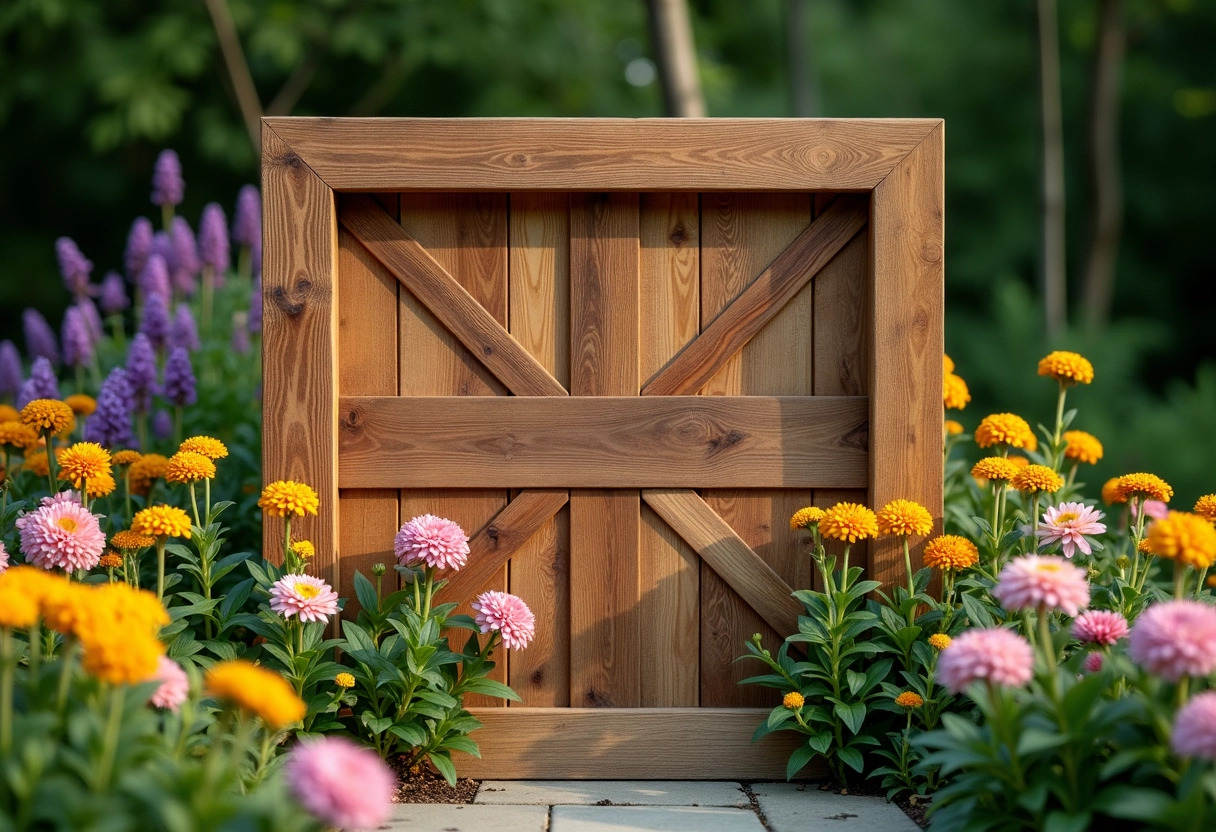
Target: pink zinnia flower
[1195,728]
[1069,523]
[1099,627]
[1155,509]
[997,656]
[1175,639]
[1042,582]
[174,685]
[507,614]
[68,496]
[61,534]
[1093,662]
[3,558]
[341,783]
[305,596]
[438,542]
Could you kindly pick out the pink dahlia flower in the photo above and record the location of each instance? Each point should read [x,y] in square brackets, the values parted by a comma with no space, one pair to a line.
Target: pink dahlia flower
[1175,639]
[174,685]
[68,496]
[1042,582]
[507,614]
[305,596]
[341,783]
[1154,509]
[1195,728]
[1099,627]
[1093,662]
[1069,524]
[438,542]
[3,558]
[997,656]
[61,534]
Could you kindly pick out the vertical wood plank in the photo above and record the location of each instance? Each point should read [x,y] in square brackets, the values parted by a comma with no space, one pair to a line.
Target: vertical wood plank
[299,309]
[906,332]
[668,568]
[740,235]
[467,235]
[540,320]
[604,524]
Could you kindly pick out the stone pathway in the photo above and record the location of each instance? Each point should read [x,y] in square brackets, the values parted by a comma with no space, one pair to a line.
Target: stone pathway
[652,806]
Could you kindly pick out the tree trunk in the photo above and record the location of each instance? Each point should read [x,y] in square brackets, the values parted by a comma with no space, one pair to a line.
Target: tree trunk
[1105,180]
[1055,287]
[804,85]
[676,56]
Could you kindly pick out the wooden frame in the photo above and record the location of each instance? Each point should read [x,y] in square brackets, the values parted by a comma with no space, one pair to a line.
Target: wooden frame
[896,165]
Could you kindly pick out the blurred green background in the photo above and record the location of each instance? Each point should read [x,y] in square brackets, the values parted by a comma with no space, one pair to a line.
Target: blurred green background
[90,90]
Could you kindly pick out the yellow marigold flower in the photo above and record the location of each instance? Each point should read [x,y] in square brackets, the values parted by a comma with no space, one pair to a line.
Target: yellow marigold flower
[36,463]
[47,415]
[162,521]
[1020,461]
[8,413]
[804,518]
[1005,429]
[951,551]
[1068,368]
[1150,486]
[188,466]
[1205,506]
[262,692]
[953,428]
[994,468]
[955,394]
[1110,492]
[130,610]
[1145,547]
[909,699]
[81,404]
[285,497]
[1082,446]
[940,641]
[126,457]
[145,471]
[1184,537]
[23,592]
[793,700]
[344,680]
[904,518]
[849,522]
[102,486]
[84,460]
[121,658]
[1036,478]
[110,560]
[1212,581]
[947,364]
[131,541]
[304,549]
[17,434]
[205,445]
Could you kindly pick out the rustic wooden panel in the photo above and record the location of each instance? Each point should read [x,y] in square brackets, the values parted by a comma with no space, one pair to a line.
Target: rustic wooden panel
[605,667]
[540,320]
[299,308]
[605,441]
[603,154]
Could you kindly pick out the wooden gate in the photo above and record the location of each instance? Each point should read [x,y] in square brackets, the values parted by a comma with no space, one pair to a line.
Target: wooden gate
[621,354]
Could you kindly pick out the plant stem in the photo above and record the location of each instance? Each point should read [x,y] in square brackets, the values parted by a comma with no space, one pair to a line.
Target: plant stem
[66,660]
[1180,581]
[105,765]
[286,540]
[51,472]
[908,566]
[430,588]
[160,567]
[126,482]
[194,506]
[7,667]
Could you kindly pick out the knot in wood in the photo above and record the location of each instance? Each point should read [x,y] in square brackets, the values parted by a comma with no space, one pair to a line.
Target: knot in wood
[351,420]
[292,303]
[718,444]
[678,236]
[538,676]
[492,533]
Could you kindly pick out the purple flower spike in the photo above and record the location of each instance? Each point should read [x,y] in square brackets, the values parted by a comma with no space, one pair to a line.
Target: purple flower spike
[183,332]
[247,220]
[155,322]
[168,187]
[74,266]
[162,424]
[110,424]
[163,245]
[40,339]
[213,240]
[41,384]
[113,295]
[179,379]
[240,333]
[139,246]
[185,265]
[141,373]
[10,369]
[93,318]
[154,280]
[77,339]
[255,306]
[255,257]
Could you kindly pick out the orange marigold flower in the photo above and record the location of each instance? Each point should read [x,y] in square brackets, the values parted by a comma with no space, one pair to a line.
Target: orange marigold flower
[207,446]
[188,466]
[1020,461]
[162,521]
[23,592]
[47,416]
[285,497]
[804,518]
[1205,506]
[955,394]
[947,364]
[951,551]
[8,413]
[994,468]
[793,700]
[102,486]
[130,541]
[304,549]
[1149,486]
[36,463]
[904,518]
[83,461]
[1068,368]
[1036,478]
[1184,537]
[953,428]
[262,692]
[1082,446]
[909,699]
[940,641]
[81,404]
[1005,429]
[849,522]
[1110,492]
[1145,547]
[17,434]
[110,560]
[126,457]
[145,471]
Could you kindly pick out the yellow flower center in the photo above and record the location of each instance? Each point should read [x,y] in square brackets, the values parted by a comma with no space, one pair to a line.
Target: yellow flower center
[1049,567]
[66,523]
[1067,517]
[307,590]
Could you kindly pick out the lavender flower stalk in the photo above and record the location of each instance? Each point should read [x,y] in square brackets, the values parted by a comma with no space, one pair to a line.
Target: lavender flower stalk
[141,380]
[162,424]
[155,320]
[41,384]
[113,295]
[214,251]
[74,267]
[240,333]
[139,246]
[168,187]
[180,387]
[11,374]
[183,332]
[154,279]
[110,424]
[92,319]
[40,339]
[247,225]
[77,343]
[185,266]
[255,306]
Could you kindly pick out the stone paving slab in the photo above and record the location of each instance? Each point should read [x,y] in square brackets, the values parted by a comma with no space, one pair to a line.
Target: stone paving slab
[796,807]
[612,792]
[653,819]
[464,817]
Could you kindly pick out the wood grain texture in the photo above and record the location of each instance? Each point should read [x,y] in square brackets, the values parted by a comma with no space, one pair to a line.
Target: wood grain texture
[762,300]
[540,574]
[450,299]
[299,344]
[605,442]
[603,154]
[906,328]
[629,743]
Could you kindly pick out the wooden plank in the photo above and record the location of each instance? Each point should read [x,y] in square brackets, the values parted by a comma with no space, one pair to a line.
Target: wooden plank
[629,744]
[668,569]
[445,296]
[762,300]
[597,154]
[907,241]
[605,667]
[605,442]
[299,346]
[539,299]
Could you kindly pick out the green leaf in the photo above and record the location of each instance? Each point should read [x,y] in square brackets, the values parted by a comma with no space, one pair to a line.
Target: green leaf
[778,716]
[802,755]
[409,732]
[851,758]
[377,724]
[463,743]
[366,593]
[357,636]
[490,687]
[821,741]
[1132,803]
[1059,821]
[851,715]
[856,681]
[1034,740]
[443,763]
